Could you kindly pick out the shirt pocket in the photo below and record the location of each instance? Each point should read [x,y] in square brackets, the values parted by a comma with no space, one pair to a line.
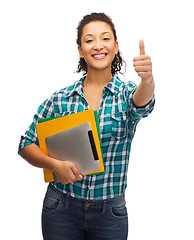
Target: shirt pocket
[119,124]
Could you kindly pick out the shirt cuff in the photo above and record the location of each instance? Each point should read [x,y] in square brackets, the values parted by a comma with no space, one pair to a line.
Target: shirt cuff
[138,113]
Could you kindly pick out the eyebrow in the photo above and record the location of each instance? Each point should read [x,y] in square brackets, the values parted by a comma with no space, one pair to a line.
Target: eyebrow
[90,35]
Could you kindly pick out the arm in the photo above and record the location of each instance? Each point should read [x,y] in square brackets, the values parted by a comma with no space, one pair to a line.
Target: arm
[145,90]
[65,171]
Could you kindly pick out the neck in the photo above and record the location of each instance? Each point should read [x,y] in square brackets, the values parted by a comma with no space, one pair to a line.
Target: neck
[98,78]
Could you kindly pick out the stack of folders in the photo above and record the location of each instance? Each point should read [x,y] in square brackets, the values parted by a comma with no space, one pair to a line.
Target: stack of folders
[74,137]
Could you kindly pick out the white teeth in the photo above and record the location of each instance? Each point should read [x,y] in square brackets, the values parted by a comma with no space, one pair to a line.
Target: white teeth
[99,55]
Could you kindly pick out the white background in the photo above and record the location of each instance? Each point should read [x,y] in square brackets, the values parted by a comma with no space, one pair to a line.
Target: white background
[38,55]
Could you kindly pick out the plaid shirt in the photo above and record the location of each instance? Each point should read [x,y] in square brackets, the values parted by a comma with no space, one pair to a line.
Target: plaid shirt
[118,118]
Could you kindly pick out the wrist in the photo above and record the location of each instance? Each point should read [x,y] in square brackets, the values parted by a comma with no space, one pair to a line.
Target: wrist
[51,164]
[149,80]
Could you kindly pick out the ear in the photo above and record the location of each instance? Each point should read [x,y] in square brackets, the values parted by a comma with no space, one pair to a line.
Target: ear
[80,51]
[117,47]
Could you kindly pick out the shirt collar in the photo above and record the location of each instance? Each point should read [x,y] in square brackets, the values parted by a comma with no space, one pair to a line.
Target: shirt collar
[113,86]
[77,87]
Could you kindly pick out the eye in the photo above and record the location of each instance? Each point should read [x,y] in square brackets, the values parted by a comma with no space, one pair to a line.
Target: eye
[89,41]
[106,38]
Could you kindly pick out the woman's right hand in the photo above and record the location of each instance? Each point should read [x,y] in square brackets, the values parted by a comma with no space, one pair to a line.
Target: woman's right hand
[66,172]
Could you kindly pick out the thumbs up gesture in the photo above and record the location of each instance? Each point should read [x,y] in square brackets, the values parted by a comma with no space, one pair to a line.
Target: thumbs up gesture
[143,64]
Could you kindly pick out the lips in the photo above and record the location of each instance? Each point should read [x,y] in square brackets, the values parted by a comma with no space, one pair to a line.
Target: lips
[99,56]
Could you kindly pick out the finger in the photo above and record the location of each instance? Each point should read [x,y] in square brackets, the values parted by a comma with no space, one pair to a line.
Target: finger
[71,177]
[141,47]
[145,75]
[68,177]
[76,172]
[143,69]
[142,58]
[142,63]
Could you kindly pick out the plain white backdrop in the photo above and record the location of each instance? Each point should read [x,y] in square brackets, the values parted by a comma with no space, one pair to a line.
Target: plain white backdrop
[38,55]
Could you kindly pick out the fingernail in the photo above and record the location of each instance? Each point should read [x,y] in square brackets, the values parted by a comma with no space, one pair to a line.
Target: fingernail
[80,176]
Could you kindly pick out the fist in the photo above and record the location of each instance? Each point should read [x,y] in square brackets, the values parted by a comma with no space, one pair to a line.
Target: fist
[143,64]
[66,171]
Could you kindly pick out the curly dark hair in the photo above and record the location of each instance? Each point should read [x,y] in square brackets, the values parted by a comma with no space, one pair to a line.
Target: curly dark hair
[118,61]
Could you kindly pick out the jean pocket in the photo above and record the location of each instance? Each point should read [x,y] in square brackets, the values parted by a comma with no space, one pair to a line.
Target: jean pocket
[119,211]
[50,203]
[119,124]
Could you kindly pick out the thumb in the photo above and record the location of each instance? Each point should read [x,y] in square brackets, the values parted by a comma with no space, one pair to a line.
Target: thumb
[141,47]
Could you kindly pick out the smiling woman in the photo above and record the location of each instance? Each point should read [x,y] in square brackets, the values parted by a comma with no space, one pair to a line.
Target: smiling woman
[93,206]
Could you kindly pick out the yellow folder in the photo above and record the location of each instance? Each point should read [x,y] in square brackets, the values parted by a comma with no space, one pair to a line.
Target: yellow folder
[48,128]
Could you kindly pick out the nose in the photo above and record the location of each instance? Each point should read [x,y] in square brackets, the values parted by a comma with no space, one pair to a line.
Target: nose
[98,45]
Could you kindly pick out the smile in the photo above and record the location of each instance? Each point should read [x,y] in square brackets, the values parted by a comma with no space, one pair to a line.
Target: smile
[99,56]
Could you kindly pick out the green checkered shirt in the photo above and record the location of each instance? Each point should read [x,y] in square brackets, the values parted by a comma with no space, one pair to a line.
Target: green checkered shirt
[118,118]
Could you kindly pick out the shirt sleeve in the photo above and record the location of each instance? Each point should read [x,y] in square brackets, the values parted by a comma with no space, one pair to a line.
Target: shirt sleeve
[137,113]
[45,110]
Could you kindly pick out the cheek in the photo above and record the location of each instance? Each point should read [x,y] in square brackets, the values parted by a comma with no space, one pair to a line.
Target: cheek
[86,50]
[112,49]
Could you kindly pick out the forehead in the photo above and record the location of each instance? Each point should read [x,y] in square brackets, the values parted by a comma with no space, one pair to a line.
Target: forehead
[96,28]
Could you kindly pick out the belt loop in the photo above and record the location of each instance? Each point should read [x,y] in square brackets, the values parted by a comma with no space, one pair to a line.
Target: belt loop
[104,207]
[67,201]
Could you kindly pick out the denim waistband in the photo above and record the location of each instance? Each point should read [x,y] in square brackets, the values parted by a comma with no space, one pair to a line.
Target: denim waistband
[67,199]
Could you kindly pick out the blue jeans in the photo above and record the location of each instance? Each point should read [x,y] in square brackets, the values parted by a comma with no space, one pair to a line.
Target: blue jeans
[68,218]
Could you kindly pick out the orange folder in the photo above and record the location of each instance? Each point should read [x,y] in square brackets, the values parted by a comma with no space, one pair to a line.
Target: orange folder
[48,128]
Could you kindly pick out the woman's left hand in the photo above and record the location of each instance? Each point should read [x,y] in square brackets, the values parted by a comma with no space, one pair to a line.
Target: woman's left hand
[143,64]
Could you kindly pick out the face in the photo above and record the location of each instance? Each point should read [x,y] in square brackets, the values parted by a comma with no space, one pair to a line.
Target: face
[98,45]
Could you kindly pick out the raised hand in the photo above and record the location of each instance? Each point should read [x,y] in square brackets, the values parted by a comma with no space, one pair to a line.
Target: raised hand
[143,64]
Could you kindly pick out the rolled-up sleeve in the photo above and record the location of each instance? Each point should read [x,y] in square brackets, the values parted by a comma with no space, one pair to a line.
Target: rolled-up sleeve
[45,110]
[137,113]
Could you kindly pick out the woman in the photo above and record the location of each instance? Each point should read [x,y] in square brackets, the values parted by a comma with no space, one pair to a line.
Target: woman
[93,207]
